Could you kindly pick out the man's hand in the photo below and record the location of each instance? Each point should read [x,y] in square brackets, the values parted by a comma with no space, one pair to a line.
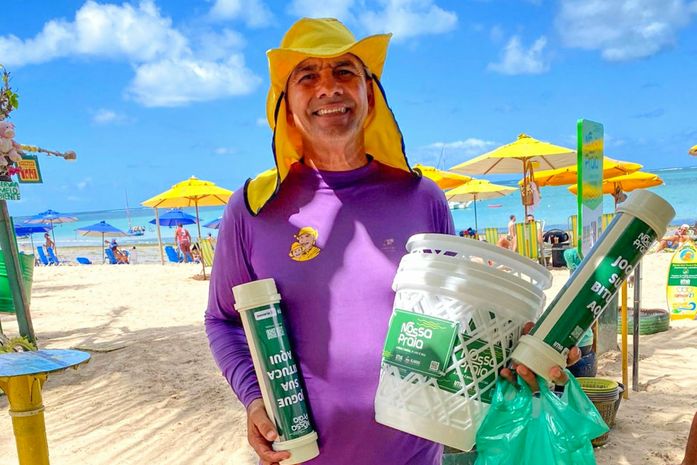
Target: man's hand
[556,374]
[261,433]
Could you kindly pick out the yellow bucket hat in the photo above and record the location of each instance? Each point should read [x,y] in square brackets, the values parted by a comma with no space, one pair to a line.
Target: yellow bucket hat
[323,38]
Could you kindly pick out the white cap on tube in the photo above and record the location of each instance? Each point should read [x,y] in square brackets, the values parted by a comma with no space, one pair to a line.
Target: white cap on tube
[255,293]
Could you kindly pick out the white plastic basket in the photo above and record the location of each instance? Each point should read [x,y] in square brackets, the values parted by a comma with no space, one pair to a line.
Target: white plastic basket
[491,296]
[481,252]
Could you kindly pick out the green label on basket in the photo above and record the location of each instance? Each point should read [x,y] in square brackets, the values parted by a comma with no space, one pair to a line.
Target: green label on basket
[594,283]
[280,372]
[419,343]
[474,369]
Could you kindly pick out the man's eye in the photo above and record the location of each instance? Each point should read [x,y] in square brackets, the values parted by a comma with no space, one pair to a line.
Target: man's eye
[344,73]
[307,77]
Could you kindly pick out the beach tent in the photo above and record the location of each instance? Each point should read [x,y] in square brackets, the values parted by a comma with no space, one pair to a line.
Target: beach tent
[443,179]
[193,192]
[175,217]
[24,230]
[519,157]
[478,189]
[569,174]
[51,217]
[101,229]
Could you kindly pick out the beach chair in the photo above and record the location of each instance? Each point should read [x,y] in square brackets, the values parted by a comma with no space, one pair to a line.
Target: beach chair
[42,256]
[491,235]
[52,258]
[573,224]
[527,243]
[110,256]
[206,252]
[171,254]
[83,260]
[607,219]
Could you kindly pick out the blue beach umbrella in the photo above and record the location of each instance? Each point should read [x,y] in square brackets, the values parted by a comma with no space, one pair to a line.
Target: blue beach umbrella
[175,217]
[101,229]
[24,230]
[51,217]
[215,224]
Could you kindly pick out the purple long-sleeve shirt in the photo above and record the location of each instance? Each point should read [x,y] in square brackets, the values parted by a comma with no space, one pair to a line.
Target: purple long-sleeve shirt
[337,300]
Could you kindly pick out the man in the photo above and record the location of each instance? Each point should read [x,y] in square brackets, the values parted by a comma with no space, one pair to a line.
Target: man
[511,237]
[183,239]
[343,191]
[48,242]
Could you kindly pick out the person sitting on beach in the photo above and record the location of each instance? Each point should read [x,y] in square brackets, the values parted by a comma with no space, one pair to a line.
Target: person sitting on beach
[680,235]
[538,225]
[49,242]
[183,238]
[504,242]
[120,256]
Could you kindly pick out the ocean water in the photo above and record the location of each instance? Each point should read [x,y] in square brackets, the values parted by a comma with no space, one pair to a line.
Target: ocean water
[555,207]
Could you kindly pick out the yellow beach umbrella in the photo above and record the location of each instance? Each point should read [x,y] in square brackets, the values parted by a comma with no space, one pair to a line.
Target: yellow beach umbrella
[693,150]
[478,189]
[444,179]
[193,192]
[627,182]
[569,174]
[519,157]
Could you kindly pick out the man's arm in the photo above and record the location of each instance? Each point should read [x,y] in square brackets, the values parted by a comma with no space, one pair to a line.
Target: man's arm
[223,324]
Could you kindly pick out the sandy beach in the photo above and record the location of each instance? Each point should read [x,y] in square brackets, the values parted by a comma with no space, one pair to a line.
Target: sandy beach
[152,394]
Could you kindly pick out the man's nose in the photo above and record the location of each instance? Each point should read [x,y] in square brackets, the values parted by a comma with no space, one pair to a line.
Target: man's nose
[327,84]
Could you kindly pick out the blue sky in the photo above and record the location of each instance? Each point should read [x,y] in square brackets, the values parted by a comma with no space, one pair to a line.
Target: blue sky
[151,92]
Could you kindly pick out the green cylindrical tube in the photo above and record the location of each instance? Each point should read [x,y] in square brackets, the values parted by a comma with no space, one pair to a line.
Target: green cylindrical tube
[258,304]
[638,223]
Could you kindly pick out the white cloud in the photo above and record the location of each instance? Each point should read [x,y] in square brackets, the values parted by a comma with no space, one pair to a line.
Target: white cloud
[136,33]
[253,12]
[322,9]
[82,185]
[105,116]
[516,59]
[409,18]
[623,29]
[168,69]
[262,122]
[176,82]
[224,150]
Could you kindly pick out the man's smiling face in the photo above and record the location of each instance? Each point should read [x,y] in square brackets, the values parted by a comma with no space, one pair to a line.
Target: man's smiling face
[329,99]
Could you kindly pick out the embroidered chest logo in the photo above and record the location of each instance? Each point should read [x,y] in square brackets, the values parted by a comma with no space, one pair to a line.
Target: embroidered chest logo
[304,248]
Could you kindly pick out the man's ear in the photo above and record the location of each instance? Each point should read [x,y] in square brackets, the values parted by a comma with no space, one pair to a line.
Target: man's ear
[371,95]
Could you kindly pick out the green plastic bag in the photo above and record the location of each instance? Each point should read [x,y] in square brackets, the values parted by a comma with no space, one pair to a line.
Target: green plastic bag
[522,429]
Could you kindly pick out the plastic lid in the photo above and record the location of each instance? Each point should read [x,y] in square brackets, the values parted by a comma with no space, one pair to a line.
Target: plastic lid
[650,208]
[255,293]
[537,356]
[301,449]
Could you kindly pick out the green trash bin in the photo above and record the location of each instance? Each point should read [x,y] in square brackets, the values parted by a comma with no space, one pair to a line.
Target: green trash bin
[27,264]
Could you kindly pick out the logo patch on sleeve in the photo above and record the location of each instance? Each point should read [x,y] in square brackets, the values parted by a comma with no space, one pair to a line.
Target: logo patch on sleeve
[304,248]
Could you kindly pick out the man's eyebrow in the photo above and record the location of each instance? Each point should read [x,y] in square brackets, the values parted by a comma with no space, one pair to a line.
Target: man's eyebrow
[315,67]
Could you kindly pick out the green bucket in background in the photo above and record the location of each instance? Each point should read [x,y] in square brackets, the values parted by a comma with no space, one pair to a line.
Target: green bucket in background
[26,262]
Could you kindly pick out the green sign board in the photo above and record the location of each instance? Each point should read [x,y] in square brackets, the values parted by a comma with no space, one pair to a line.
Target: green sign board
[419,343]
[9,190]
[590,183]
